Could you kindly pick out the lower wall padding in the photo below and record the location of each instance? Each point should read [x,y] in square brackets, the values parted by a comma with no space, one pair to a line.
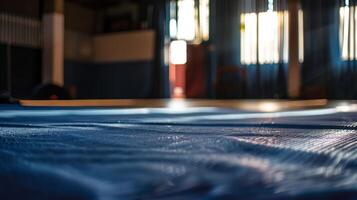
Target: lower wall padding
[109,80]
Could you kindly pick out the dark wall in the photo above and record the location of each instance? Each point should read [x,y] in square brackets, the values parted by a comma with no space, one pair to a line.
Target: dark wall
[25,62]
[127,80]
[3,68]
[110,80]
[25,73]
[25,70]
[30,8]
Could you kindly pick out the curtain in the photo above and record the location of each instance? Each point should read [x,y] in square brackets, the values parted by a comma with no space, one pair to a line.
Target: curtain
[328,67]
[161,18]
[344,75]
[330,57]
[241,42]
[321,45]
[4,86]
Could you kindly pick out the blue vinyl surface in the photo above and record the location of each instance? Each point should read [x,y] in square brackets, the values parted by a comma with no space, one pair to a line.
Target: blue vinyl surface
[191,153]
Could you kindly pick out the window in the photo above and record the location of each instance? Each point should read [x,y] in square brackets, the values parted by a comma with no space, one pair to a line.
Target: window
[204,19]
[348,34]
[265,37]
[248,38]
[262,36]
[178,52]
[189,21]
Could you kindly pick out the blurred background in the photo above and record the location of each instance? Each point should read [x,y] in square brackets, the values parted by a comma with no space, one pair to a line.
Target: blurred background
[212,49]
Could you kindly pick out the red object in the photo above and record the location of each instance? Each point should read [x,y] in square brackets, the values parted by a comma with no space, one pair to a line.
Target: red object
[196,72]
[189,80]
[178,80]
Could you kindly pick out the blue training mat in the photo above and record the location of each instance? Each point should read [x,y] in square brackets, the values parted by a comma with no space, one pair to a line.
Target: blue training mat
[191,153]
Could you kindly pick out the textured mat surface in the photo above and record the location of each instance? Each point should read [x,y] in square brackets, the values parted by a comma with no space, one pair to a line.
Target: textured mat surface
[193,153]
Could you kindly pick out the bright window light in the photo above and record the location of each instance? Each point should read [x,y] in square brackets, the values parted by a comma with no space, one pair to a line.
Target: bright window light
[270,5]
[204,19]
[186,20]
[173,28]
[189,20]
[271,30]
[269,37]
[249,38]
[348,24]
[178,52]
[301,36]
[265,37]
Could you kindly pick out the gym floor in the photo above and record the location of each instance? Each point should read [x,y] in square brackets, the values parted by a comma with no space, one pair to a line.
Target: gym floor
[161,149]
